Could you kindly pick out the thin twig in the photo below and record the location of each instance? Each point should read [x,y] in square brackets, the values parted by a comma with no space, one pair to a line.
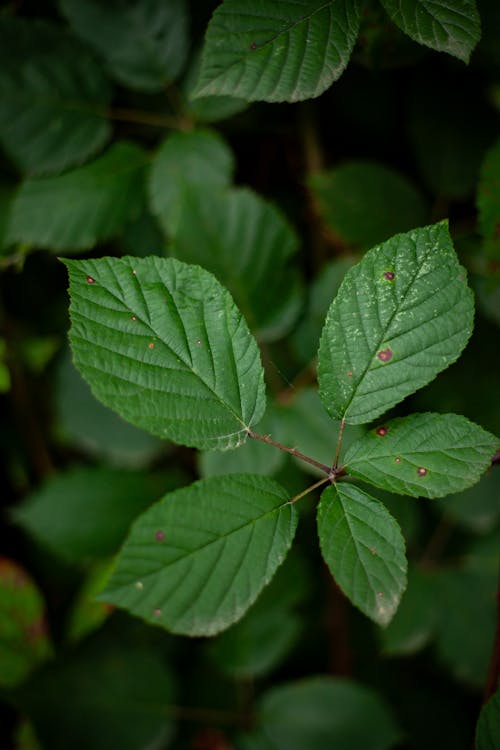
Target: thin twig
[292,451]
[308,490]
[339,444]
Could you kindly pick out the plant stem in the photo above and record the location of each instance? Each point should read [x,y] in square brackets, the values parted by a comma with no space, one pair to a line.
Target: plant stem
[308,490]
[494,671]
[339,444]
[293,452]
[149,118]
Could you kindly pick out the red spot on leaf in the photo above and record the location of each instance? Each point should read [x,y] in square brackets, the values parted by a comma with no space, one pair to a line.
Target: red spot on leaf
[385,355]
[90,280]
[151,345]
[253,45]
[159,535]
[381,431]
[349,374]
[397,460]
[389,275]
[421,471]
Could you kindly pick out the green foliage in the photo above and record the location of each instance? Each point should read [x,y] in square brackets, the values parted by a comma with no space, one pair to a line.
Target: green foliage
[214,260]
[488,728]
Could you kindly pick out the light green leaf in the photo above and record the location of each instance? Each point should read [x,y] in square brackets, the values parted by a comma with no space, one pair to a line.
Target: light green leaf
[488,727]
[363,546]
[488,201]
[197,560]
[80,208]
[54,97]
[454,27]
[196,159]
[324,712]
[143,42]
[428,455]
[261,275]
[402,315]
[365,202]
[163,344]
[85,514]
[276,51]
[24,642]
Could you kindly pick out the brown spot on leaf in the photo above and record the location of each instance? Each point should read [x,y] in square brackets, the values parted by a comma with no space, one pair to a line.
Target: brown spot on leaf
[253,45]
[90,280]
[373,550]
[159,535]
[380,594]
[385,355]
[381,431]
[151,345]
[389,275]
[157,612]
[198,342]
[132,317]
[349,374]
[397,460]
[421,471]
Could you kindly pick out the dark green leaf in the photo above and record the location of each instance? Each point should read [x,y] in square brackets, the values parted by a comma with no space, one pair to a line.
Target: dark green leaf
[86,613]
[142,42]
[415,621]
[488,727]
[163,344]
[323,712]
[197,159]
[429,455]
[402,315]
[6,195]
[261,275]
[454,27]
[85,513]
[488,201]
[365,202]
[209,108]
[197,560]
[477,509]
[277,51]
[83,207]
[23,631]
[54,97]
[364,549]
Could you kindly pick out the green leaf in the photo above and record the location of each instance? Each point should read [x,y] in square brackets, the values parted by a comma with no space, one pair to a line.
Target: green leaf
[143,42]
[279,50]
[363,546]
[163,344]
[24,643]
[208,108]
[54,97]
[104,501]
[365,202]
[6,195]
[87,615]
[186,160]
[324,712]
[261,275]
[454,27]
[402,315]
[488,727]
[120,692]
[424,455]
[80,208]
[476,509]
[197,560]
[488,201]
[94,428]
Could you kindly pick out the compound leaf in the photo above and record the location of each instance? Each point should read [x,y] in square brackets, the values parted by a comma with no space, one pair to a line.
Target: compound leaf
[402,315]
[163,344]
[143,42]
[454,27]
[363,546]
[197,560]
[278,50]
[54,98]
[429,455]
[76,210]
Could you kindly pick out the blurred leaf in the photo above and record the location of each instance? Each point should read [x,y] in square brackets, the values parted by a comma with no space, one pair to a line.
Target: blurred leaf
[78,209]
[414,623]
[95,428]
[24,642]
[423,455]
[197,560]
[450,128]
[6,195]
[365,202]
[119,697]
[253,457]
[304,423]
[261,276]
[86,613]
[487,288]
[402,314]
[477,509]
[209,108]
[454,28]
[54,97]
[186,160]
[381,45]
[488,201]
[143,236]
[488,727]
[277,51]
[259,642]
[154,337]
[143,43]
[305,336]
[363,546]
[84,514]
[323,712]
